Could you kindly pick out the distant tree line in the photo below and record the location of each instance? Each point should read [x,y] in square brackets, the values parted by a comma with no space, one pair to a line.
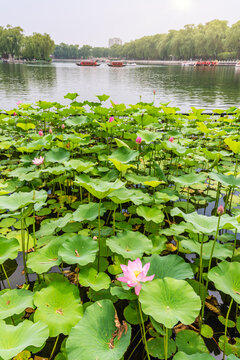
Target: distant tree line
[13,43]
[214,40]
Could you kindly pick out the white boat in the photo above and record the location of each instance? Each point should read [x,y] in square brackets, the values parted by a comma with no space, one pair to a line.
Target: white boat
[238,64]
[188,63]
[131,64]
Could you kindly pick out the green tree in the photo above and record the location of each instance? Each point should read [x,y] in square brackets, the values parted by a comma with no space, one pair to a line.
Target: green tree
[232,42]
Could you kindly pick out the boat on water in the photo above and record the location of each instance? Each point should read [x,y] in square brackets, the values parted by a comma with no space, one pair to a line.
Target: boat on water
[88,63]
[206,63]
[131,64]
[116,64]
[189,63]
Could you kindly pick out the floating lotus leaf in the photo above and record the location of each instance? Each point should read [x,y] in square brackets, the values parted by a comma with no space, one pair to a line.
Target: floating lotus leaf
[124,195]
[79,249]
[221,251]
[79,165]
[45,258]
[190,342]
[226,180]
[201,223]
[21,199]
[156,347]
[226,278]
[197,356]
[130,244]
[97,281]
[58,306]
[88,212]
[169,301]
[8,249]
[58,155]
[189,179]
[232,346]
[93,336]
[97,187]
[153,213]
[149,136]
[18,338]
[14,302]
[169,266]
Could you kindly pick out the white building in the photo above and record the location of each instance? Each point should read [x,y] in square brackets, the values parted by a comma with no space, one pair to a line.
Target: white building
[114,41]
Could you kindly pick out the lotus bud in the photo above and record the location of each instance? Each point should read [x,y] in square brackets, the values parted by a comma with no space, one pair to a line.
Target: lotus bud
[18,103]
[138,140]
[111,119]
[95,238]
[154,92]
[40,133]
[14,114]
[220,210]
[50,131]
[63,126]
[171,139]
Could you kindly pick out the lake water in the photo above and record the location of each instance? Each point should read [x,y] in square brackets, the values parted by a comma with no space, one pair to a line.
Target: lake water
[201,87]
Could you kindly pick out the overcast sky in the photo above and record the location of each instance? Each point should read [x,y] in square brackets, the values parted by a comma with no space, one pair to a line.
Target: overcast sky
[93,22]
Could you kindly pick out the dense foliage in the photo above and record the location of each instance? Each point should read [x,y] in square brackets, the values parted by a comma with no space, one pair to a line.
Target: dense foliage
[88,192]
[14,43]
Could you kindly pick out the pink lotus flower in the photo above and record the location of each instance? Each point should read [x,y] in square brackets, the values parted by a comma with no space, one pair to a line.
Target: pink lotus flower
[220,210]
[63,126]
[138,140]
[18,102]
[40,133]
[14,114]
[154,92]
[38,161]
[135,274]
[50,131]
[171,139]
[111,119]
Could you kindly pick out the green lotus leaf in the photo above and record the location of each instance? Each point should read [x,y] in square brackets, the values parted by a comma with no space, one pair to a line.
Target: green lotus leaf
[58,306]
[176,148]
[49,227]
[206,331]
[153,213]
[169,266]
[197,356]
[55,170]
[45,258]
[131,313]
[21,199]
[89,277]
[79,249]
[122,293]
[8,249]
[26,126]
[226,180]
[97,187]
[232,346]
[88,212]
[124,155]
[33,145]
[162,196]
[10,267]
[120,166]
[18,338]
[156,347]
[130,244]
[124,195]
[201,223]
[190,342]
[232,357]
[29,241]
[141,179]
[149,136]
[79,165]
[14,302]
[93,336]
[23,355]
[121,143]
[189,179]
[103,97]
[226,278]
[58,155]
[233,145]
[71,96]
[221,251]
[169,301]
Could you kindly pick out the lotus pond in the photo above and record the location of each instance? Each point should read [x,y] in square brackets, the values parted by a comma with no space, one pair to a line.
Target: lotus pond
[119,232]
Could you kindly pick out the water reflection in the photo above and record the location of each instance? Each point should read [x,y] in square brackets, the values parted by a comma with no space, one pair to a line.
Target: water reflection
[202,87]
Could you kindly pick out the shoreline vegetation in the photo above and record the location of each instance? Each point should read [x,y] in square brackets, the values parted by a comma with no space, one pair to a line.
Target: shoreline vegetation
[119,232]
[213,41]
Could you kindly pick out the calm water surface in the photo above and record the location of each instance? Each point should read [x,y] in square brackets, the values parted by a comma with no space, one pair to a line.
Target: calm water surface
[202,87]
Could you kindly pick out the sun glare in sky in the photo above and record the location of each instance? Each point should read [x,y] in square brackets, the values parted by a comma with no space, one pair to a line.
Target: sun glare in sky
[182,4]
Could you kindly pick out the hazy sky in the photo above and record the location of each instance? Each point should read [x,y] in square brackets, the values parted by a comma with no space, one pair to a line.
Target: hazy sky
[93,22]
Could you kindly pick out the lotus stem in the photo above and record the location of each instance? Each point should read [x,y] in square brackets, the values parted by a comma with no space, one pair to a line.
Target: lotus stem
[144,332]
[166,344]
[135,346]
[99,233]
[23,251]
[54,347]
[5,273]
[225,331]
[235,243]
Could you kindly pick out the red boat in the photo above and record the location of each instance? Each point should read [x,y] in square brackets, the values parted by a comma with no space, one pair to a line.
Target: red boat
[88,63]
[206,63]
[116,64]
